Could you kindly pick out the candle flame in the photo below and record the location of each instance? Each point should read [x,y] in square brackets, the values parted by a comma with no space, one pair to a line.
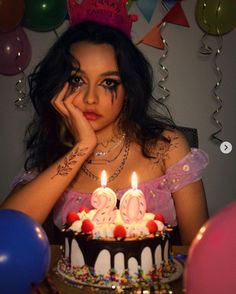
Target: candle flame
[134,180]
[104,179]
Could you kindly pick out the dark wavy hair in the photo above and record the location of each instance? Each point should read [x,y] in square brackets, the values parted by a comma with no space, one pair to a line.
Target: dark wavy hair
[44,143]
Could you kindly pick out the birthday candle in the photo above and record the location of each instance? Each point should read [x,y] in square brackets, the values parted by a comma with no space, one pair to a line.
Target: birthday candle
[133,204]
[104,200]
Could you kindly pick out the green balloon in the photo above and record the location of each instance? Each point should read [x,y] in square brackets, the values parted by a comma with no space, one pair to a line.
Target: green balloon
[216,17]
[44,15]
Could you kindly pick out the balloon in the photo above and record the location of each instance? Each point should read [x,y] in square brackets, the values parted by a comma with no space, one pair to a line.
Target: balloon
[15,51]
[11,13]
[211,264]
[24,252]
[216,17]
[44,15]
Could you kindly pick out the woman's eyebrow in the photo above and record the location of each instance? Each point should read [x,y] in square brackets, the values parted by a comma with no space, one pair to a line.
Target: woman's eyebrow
[110,73]
[104,74]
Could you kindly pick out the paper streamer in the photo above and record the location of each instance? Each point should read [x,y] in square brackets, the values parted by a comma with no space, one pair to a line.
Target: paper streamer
[205,49]
[163,91]
[217,98]
[22,97]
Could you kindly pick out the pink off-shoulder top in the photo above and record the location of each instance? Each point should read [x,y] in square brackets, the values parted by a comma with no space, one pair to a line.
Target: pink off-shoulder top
[157,191]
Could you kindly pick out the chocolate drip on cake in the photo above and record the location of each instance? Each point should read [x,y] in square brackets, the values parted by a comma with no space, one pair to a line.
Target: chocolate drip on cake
[91,248]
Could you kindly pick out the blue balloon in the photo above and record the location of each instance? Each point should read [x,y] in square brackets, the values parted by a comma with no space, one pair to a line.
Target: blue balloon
[24,252]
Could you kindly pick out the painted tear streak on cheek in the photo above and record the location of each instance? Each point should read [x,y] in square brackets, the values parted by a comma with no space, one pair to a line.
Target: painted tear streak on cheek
[113,93]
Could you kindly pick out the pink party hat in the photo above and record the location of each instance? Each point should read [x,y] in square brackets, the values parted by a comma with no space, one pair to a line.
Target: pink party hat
[112,13]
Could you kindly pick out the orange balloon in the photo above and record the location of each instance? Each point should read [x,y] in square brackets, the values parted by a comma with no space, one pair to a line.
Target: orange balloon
[11,13]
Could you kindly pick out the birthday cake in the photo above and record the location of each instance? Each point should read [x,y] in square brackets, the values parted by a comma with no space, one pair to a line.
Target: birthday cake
[110,247]
[117,254]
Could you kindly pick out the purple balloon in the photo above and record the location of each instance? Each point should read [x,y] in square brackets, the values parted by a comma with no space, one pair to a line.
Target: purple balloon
[15,51]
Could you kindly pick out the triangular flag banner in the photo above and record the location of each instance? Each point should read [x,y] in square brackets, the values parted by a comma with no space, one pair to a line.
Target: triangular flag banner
[168,4]
[176,16]
[153,38]
[147,8]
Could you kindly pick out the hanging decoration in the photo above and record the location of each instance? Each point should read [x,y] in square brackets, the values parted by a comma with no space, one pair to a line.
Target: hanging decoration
[164,93]
[205,49]
[22,96]
[147,8]
[176,16]
[44,15]
[168,4]
[217,98]
[215,18]
[153,38]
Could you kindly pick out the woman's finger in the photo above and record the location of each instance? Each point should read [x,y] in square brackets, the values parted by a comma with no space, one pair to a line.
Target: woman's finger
[58,101]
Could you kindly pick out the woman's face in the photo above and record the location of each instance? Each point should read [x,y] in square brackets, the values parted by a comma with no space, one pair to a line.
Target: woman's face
[97,81]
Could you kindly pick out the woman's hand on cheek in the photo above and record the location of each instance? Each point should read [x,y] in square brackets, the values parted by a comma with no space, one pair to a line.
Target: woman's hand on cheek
[74,119]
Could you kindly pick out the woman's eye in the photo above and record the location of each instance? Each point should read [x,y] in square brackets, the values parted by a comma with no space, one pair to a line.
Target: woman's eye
[75,81]
[108,83]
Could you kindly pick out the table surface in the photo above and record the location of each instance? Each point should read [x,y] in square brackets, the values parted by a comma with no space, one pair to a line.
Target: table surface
[54,284]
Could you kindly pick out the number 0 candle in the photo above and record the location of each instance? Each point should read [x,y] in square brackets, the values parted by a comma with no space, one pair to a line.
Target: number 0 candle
[104,200]
[133,204]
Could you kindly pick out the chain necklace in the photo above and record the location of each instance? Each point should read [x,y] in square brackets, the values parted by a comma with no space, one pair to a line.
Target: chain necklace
[105,161]
[100,153]
[116,172]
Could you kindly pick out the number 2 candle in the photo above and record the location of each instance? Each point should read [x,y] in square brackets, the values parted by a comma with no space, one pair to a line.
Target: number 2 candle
[104,200]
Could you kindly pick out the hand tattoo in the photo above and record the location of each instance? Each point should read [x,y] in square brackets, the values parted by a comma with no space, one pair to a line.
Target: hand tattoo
[66,167]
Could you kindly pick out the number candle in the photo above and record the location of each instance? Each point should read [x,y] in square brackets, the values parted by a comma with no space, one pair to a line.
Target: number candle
[133,204]
[104,200]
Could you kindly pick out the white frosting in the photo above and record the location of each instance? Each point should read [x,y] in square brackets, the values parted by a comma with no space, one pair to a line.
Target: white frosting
[135,229]
[77,258]
[146,260]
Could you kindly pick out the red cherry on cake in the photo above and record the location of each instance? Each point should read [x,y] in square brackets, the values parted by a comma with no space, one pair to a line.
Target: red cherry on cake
[87,226]
[119,231]
[84,208]
[72,216]
[160,218]
[152,226]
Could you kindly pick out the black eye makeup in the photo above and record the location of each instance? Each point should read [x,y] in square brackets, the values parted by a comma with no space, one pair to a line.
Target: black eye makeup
[75,82]
[111,85]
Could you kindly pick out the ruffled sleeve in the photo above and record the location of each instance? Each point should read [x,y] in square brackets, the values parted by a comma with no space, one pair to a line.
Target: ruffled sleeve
[23,176]
[187,170]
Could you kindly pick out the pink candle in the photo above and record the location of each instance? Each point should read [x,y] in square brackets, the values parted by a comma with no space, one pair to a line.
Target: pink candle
[104,200]
[133,203]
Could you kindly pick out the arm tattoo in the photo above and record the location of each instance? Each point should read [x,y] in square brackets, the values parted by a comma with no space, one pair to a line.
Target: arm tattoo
[64,168]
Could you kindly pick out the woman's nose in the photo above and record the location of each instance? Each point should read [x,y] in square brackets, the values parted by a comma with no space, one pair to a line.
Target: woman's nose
[90,96]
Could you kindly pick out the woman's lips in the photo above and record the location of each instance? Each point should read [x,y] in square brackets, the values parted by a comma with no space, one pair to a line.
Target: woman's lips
[91,115]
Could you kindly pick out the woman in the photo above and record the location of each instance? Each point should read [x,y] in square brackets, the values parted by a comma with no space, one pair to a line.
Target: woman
[92,94]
